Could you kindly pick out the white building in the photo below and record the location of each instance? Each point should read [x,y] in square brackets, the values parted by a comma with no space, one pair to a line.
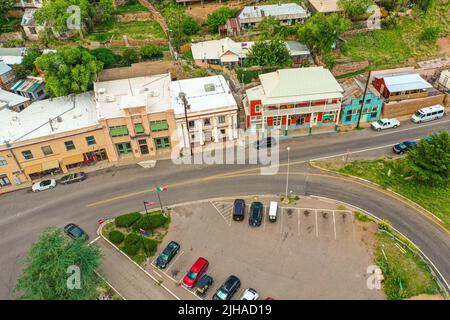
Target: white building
[211,110]
[286,13]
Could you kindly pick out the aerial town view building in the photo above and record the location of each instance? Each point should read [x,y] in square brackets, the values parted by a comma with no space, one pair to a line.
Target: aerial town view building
[224,150]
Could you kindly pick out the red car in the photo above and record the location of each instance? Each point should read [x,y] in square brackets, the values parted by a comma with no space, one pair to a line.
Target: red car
[197,270]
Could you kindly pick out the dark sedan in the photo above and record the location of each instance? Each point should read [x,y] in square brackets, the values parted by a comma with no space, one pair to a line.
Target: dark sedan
[228,289]
[256,214]
[401,148]
[167,255]
[203,285]
[75,232]
[238,210]
[73,177]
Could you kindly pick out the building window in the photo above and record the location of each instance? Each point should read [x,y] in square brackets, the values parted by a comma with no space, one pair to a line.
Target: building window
[143,146]
[328,117]
[162,143]
[207,122]
[90,140]
[27,154]
[221,119]
[32,30]
[276,121]
[159,125]
[4,181]
[257,108]
[69,145]
[118,131]
[139,128]
[124,148]
[47,150]
[3,161]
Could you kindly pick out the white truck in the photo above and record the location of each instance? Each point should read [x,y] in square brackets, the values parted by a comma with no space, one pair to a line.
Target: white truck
[385,124]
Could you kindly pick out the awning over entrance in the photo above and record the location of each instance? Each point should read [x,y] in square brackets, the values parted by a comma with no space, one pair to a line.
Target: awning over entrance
[33,169]
[73,159]
[53,164]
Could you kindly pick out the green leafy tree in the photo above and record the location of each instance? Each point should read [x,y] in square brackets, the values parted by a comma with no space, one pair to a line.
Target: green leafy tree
[392,5]
[189,25]
[430,33]
[5,6]
[107,56]
[320,32]
[45,275]
[424,4]
[355,8]
[269,53]
[30,57]
[429,161]
[272,29]
[130,56]
[54,12]
[151,52]
[106,10]
[69,70]
[219,17]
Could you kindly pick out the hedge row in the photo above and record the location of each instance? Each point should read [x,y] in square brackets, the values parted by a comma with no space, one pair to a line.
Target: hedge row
[127,220]
[116,237]
[150,222]
[134,242]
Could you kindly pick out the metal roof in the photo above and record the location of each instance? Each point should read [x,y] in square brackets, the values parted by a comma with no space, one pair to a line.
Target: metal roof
[405,82]
[272,10]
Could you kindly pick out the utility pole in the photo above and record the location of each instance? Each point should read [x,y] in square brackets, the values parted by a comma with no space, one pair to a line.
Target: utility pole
[362,102]
[287,176]
[186,105]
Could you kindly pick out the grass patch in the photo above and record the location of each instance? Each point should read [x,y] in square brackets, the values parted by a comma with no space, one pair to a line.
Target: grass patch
[10,24]
[405,274]
[138,30]
[130,7]
[393,174]
[361,216]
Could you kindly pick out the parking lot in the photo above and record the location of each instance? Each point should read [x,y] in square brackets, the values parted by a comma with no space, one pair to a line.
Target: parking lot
[312,251]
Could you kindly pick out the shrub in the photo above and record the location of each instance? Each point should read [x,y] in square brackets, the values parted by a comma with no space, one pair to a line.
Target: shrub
[116,237]
[150,222]
[12,43]
[149,246]
[127,220]
[430,34]
[130,56]
[151,51]
[133,243]
[107,56]
[385,225]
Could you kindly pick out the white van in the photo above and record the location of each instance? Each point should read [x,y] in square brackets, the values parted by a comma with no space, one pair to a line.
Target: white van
[273,209]
[429,113]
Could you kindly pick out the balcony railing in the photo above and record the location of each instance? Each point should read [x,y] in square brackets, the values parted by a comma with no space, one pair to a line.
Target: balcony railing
[302,110]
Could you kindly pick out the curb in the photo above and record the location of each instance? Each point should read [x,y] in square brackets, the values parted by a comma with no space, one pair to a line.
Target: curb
[99,232]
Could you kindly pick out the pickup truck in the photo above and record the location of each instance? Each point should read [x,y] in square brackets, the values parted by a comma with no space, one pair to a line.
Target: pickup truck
[385,124]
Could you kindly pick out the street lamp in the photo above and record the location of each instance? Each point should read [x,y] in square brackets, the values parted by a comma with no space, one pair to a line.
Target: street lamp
[186,105]
[287,174]
[363,101]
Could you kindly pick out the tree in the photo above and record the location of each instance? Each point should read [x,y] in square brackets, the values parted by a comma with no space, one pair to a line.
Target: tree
[355,8]
[321,32]
[392,5]
[130,56]
[272,29]
[269,53]
[189,25]
[218,18]
[151,52]
[107,56]
[69,70]
[429,161]
[106,10]
[54,12]
[424,4]
[430,33]
[5,6]
[48,268]
[30,57]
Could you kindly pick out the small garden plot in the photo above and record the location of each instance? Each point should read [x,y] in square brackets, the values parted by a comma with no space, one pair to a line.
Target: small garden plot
[138,235]
[138,30]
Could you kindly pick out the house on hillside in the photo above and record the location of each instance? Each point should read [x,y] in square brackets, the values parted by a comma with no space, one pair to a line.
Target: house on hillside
[12,56]
[287,13]
[324,6]
[31,87]
[299,101]
[7,76]
[231,28]
[12,101]
[402,86]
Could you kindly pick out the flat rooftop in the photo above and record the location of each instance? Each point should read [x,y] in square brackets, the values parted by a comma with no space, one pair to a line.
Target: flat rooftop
[272,10]
[9,99]
[34,121]
[115,96]
[202,94]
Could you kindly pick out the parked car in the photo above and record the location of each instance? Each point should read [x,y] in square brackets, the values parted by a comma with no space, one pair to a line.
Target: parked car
[228,288]
[204,284]
[167,254]
[265,143]
[43,185]
[196,271]
[250,294]
[273,210]
[429,113]
[256,214]
[385,124]
[75,232]
[404,146]
[238,210]
[73,177]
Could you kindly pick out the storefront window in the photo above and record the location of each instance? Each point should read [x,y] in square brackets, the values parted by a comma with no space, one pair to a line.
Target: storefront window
[162,143]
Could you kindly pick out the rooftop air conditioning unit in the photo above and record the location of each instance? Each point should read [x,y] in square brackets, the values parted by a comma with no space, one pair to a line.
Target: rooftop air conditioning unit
[101,91]
[110,98]
[59,119]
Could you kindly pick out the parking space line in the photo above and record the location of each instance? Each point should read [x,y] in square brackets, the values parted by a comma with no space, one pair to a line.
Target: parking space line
[281,224]
[158,274]
[264,217]
[317,225]
[225,217]
[191,292]
[298,228]
[334,224]
[173,262]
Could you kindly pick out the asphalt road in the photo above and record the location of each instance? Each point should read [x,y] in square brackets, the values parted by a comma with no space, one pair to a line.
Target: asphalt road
[113,191]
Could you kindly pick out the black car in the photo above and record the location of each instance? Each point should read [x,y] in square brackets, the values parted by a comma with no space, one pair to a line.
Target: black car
[75,232]
[256,214]
[238,210]
[203,285]
[167,255]
[73,177]
[401,148]
[265,143]
[228,289]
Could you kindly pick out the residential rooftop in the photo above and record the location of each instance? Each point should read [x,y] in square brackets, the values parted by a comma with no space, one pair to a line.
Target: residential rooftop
[30,84]
[325,6]
[28,18]
[9,99]
[354,88]
[202,94]
[115,96]
[404,82]
[12,56]
[48,117]
[271,10]
[4,68]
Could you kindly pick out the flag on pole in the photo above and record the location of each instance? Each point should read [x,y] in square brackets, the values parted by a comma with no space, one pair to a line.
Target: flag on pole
[150,203]
[161,189]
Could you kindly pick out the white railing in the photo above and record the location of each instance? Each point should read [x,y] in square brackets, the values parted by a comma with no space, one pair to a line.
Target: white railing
[302,110]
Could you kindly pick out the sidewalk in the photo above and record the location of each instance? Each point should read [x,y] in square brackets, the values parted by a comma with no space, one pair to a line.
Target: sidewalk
[126,278]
